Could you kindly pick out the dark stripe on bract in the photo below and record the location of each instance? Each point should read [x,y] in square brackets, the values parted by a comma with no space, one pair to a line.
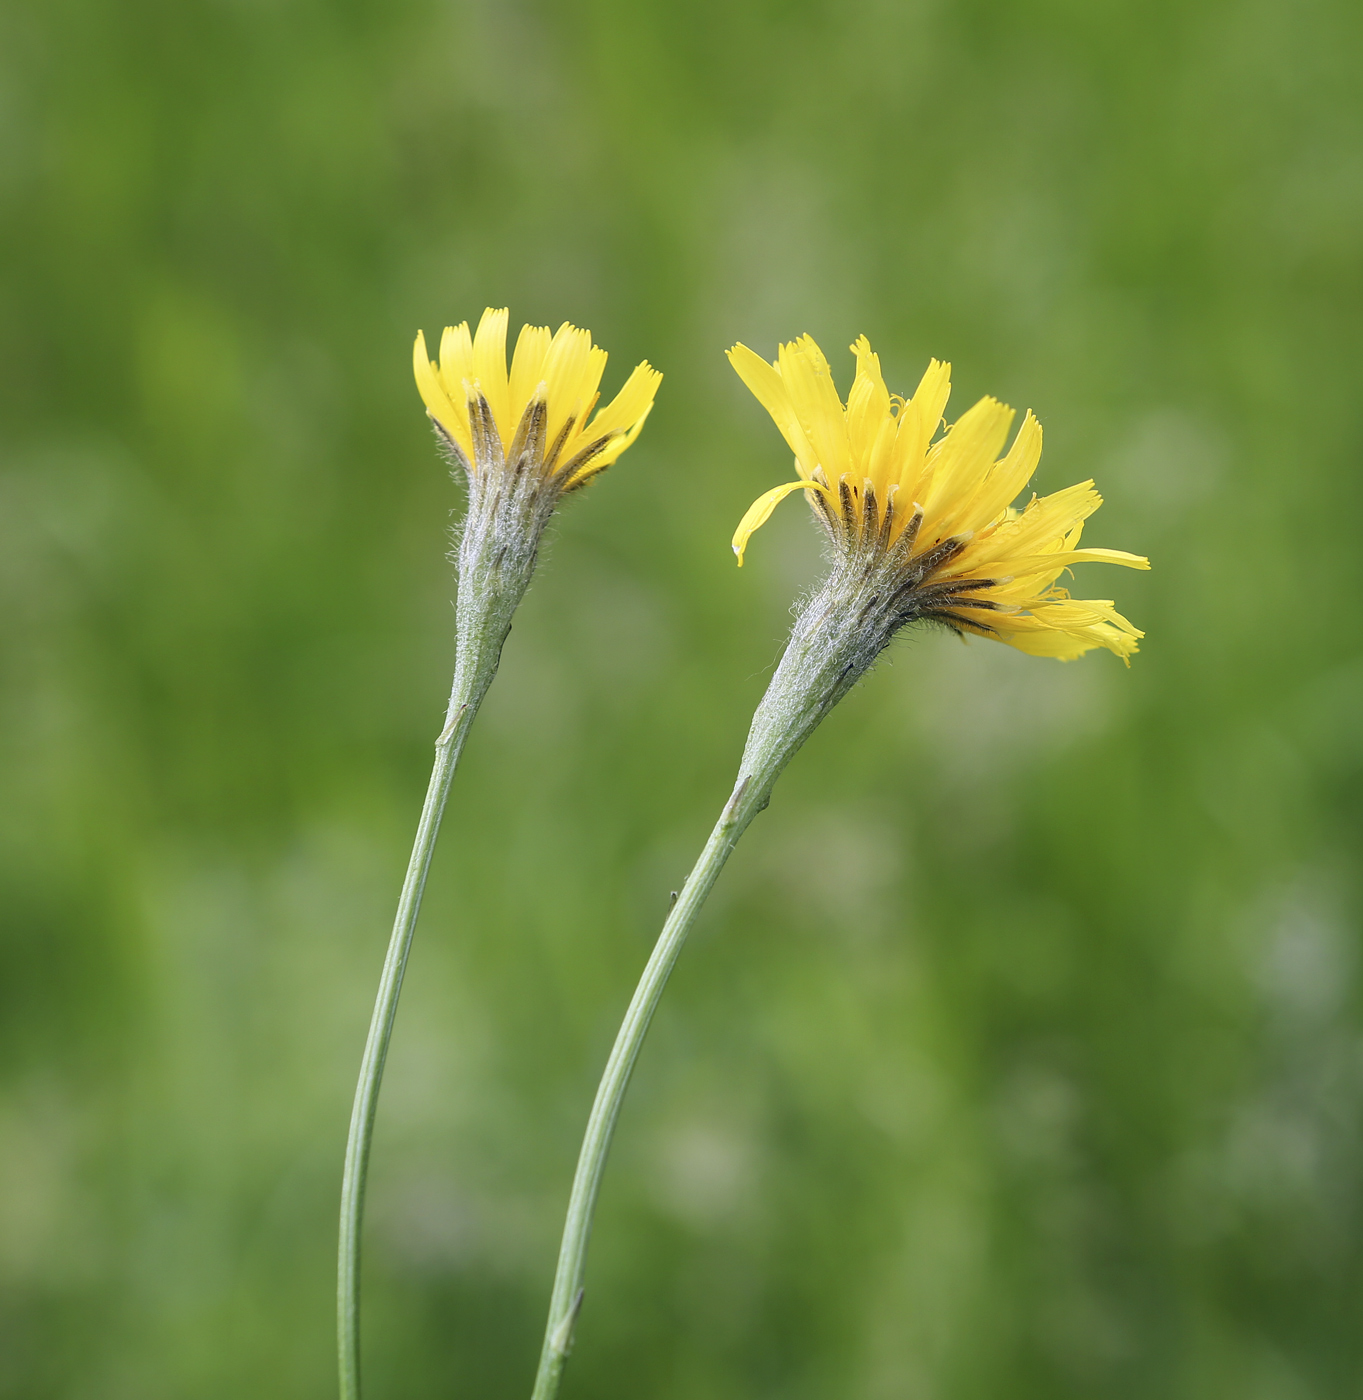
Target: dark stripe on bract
[870,523]
[453,452]
[581,459]
[487,442]
[962,624]
[527,447]
[551,456]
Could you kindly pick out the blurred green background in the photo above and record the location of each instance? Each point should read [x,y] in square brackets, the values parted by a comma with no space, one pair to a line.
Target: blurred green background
[1020,1051]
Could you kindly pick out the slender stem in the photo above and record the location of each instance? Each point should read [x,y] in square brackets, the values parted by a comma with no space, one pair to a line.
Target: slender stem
[447,750]
[822,661]
[497,551]
[745,803]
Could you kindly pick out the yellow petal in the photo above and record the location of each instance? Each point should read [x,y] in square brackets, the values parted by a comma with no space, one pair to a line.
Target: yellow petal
[489,369]
[614,449]
[1064,628]
[564,368]
[918,420]
[456,361]
[1002,485]
[572,370]
[629,405]
[1062,559]
[452,416]
[868,409]
[809,383]
[1041,527]
[962,461]
[760,511]
[1109,556]
[770,391]
[1062,646]
[527,367]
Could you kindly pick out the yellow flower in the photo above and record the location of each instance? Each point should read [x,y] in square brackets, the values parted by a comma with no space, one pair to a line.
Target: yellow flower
[535,414]
[940,510]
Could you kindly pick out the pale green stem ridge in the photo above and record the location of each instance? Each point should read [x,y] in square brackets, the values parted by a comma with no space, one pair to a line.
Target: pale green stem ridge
[826,655]
[497,550]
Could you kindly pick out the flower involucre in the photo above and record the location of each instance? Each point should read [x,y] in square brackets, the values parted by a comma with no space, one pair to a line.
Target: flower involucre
[534,416]
[941,511]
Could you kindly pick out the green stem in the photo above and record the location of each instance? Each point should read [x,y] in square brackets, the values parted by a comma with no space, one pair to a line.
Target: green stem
[822,661]
[447,750]
[572,1260]
[497,551]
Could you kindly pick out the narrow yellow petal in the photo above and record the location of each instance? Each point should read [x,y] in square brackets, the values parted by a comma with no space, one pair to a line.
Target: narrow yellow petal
[527,367]
[918,420]
[1063,559]
[452,416]
[878,462]
[565,369]
[868,408]
[809,382]
[1041,527]
[456,361]
[489,369]
[770,391]
[1002,485]
[933,391]
[1109,556]
[614,449]
[963,459]
[580,405]
[629,405]
[760,511]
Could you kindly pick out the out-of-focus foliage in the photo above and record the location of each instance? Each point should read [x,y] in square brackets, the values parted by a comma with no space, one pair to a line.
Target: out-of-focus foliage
[1019,1053]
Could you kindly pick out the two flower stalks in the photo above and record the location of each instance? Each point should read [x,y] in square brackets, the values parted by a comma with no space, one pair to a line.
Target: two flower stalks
[920,528]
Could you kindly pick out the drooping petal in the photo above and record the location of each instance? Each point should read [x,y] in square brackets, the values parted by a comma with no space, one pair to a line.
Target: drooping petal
[760,511]
[1061,646]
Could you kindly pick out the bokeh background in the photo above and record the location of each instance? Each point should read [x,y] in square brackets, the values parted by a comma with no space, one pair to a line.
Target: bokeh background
[1020,1051]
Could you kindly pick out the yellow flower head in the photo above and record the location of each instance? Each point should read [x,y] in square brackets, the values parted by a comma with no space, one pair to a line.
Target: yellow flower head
[941,510]
[536,413]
